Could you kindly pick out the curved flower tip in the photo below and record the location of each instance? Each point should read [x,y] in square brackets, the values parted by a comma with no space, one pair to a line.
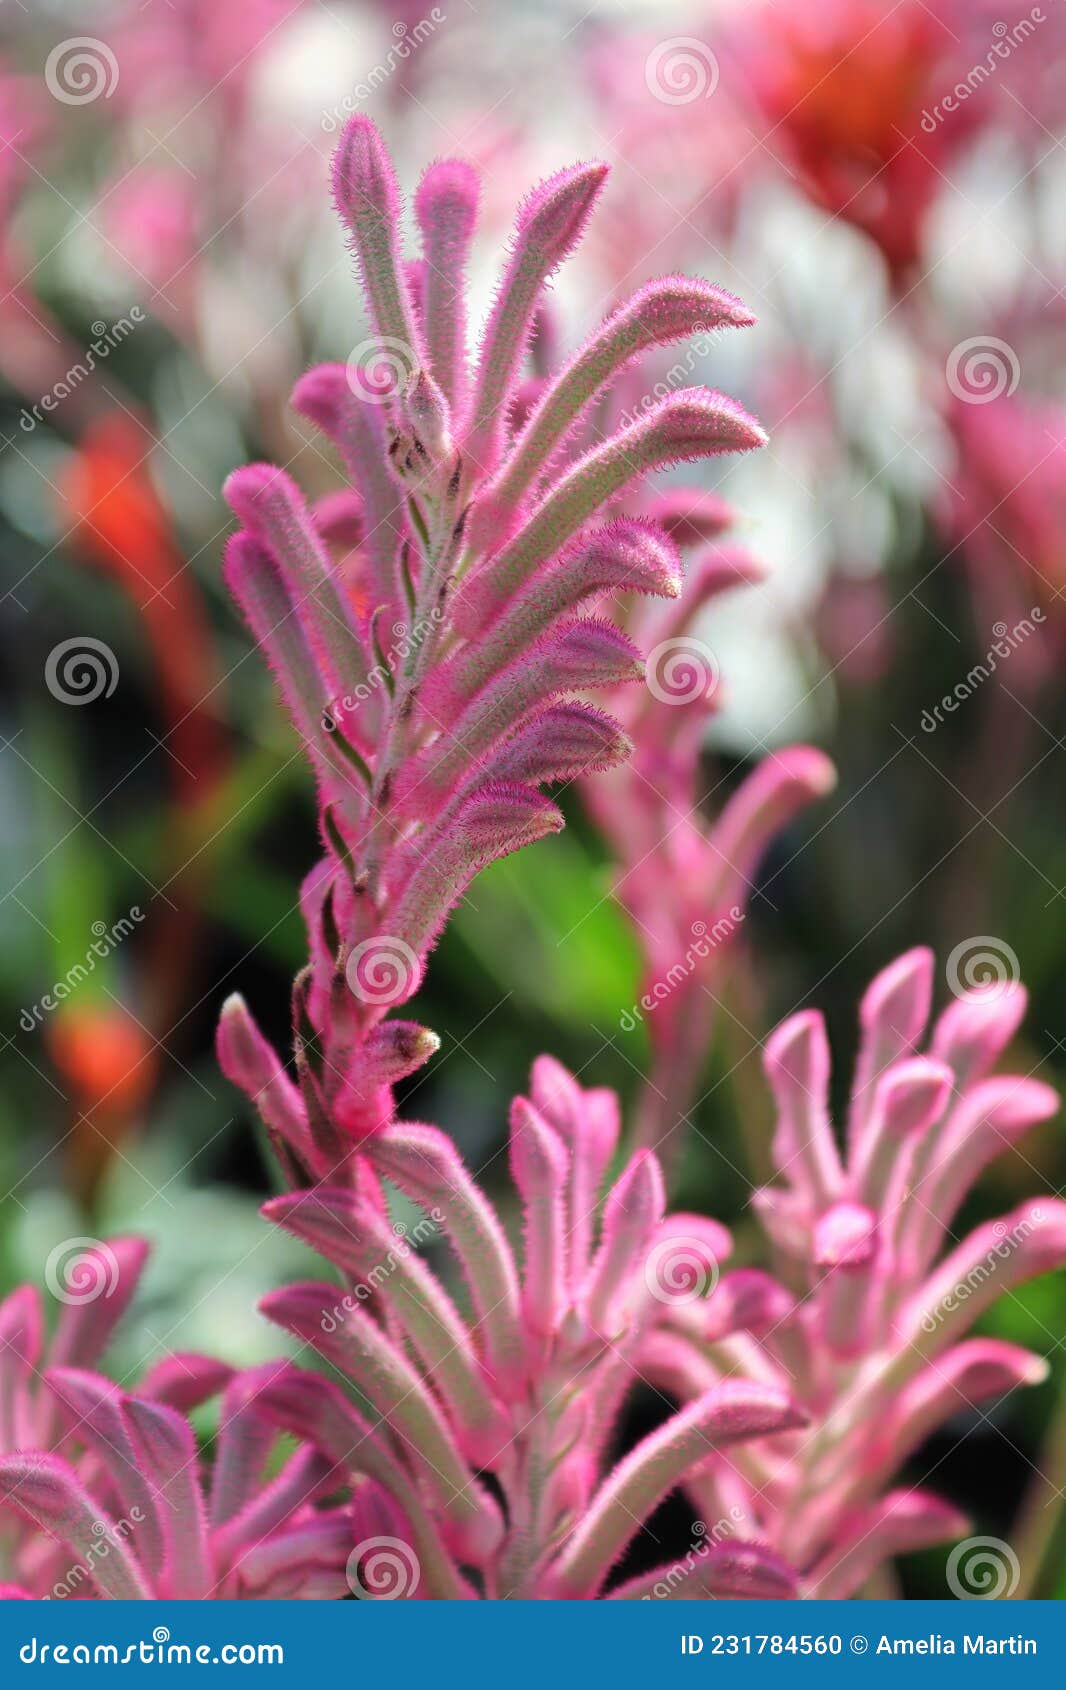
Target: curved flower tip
[449,187]
[897,1524]
[796,1058]
[698,423]
[553,215]
[362,172]
[912,1095]
[977,1027]
[21,1327]
[899,998]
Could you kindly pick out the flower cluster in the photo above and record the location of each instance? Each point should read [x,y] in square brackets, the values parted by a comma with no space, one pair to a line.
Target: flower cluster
[431,635]
[529,1389]
[101,1490]
[481,518]
[865,1323]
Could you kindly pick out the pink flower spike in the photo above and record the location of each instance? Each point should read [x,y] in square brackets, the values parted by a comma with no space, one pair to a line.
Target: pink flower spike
[991,1260]
[446,208]
[766,802]
[976,1028]
[631,1216]
[360,1243]
[492,821]
[624,556]
[730,1412]
[377,1520]
[892,1019]
[255,582]
[978,1370]
[990,1117]
[426,1166]
[168,1451]
[95,1410]
[21,1346]
[667,310]
[583,653]
[185,1379]
[897,1525]
[46,1491]
[353,422]
[272,509]
[429,753]
[539,1167]
[560,743]
[356,1344]
[250,1062]
[909,1099]
[690,424]
[559,1098]
[589,1125]
[796,1060]
[549,225]
[367,197]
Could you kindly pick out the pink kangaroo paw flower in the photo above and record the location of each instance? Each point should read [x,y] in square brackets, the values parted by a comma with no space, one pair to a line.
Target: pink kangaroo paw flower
[715,1572]
[892,1018]
[549,225]
[976,1028]
[446,207]
[367,197]
[728,1412]
[797,1066]
[46,1491]
[899,1524]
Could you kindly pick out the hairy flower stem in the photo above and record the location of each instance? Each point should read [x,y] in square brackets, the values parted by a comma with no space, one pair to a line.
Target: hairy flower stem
[430,598]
